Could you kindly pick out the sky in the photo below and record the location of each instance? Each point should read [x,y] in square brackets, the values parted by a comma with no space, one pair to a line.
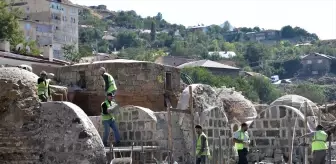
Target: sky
[316,16]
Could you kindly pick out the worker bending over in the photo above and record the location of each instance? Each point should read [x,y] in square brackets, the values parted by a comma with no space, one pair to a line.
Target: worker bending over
[43,90]
[202,147]
[319,144]
[109,121]
[110,86]
[242,141]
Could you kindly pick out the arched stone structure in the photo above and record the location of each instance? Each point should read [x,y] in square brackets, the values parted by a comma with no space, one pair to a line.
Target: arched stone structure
[273,129]
[46,133]
[236,106]
[297,102]
[136,124]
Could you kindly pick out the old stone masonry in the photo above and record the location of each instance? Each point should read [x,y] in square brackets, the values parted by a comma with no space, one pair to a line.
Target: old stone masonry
[69,132]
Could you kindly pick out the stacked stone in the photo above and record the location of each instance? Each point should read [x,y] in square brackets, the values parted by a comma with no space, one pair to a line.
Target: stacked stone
[46,133]
[139,83]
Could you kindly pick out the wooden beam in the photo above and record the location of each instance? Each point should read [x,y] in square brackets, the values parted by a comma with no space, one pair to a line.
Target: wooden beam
[180,111]
[170,136]
[305,132]
[191,108]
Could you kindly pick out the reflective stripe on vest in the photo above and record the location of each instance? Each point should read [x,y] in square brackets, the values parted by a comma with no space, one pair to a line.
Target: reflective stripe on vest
[199,145]
[111,82]
[240,146]
[319,141]
[106,116]
[42,88]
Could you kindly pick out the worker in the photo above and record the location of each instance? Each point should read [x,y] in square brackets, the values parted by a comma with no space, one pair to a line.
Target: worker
[202,147]
[110,86]
[319,144]
[109,121]
[242,141]
[43,89]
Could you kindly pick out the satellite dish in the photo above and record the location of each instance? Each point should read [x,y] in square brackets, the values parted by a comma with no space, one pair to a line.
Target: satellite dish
[19,47]
[27,49]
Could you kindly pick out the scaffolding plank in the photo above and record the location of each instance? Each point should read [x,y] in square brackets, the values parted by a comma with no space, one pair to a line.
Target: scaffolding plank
[180,110]
[129,148]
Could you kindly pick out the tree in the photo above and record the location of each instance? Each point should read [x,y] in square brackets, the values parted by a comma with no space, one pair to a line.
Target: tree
[153,31]
[9,25]
[226,26]
[313,92]
[71,54]
[256,29]
[159,16]
[287,32]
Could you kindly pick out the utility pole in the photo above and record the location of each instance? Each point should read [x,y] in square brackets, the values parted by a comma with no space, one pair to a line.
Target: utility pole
[305,132]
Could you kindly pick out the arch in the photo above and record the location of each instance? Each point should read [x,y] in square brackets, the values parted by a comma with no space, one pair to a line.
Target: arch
[297,101]
[311,123]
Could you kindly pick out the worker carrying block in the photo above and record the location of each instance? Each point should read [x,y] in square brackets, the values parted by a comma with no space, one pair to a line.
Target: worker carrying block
[110,86]
[319,144]
[108,111]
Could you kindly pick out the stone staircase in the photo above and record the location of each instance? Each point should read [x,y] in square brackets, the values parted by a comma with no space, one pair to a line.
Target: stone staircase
[14,148]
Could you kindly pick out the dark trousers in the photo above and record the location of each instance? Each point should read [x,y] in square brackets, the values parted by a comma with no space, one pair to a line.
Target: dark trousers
[319,156]
[43,98]
[242,154]
[201,159]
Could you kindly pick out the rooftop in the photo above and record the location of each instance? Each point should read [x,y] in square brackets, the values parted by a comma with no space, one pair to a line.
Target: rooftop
[318,54]
[31,58]
[206,64]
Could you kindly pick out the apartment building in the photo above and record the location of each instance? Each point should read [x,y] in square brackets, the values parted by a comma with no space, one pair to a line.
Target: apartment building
[49,22]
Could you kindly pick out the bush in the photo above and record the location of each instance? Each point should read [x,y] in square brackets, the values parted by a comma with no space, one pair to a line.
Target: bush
[313,92]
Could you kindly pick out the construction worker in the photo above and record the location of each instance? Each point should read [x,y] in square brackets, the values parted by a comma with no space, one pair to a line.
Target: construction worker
[43,89]
[319,144]
[202,147]
[110,86]
[109,121]
[242,141]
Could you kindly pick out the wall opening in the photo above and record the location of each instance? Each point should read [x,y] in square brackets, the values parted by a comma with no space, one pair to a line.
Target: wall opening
[82,81]
[168,81]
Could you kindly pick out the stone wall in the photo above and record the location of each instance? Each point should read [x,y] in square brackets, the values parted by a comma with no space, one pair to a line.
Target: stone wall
[272,130]
[42,133]
[139,83]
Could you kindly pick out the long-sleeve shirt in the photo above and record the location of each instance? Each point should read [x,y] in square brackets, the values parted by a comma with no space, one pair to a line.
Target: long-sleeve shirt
[40,80]
[107,84]
[104,107]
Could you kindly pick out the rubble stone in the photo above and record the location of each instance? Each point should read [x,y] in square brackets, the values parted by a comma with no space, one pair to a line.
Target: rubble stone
[53,132]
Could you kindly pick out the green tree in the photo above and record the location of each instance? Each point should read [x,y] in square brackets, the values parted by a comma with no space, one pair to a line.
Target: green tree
[153,31]
[313,92]
[71,54]
[9,24]
[226,26]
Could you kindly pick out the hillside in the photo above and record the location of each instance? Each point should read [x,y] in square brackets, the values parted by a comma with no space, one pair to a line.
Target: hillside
[148,38]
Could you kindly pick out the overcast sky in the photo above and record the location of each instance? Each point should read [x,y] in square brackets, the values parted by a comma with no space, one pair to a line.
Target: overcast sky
[316,16]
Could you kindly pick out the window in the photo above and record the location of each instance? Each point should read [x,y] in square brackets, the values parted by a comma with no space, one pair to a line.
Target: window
[309,62]
[168,81]
[314,72]
[320,61]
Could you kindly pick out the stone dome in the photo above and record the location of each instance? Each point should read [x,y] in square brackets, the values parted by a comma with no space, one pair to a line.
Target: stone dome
[42,133]
[18,91]
[236,106]
[297,101]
